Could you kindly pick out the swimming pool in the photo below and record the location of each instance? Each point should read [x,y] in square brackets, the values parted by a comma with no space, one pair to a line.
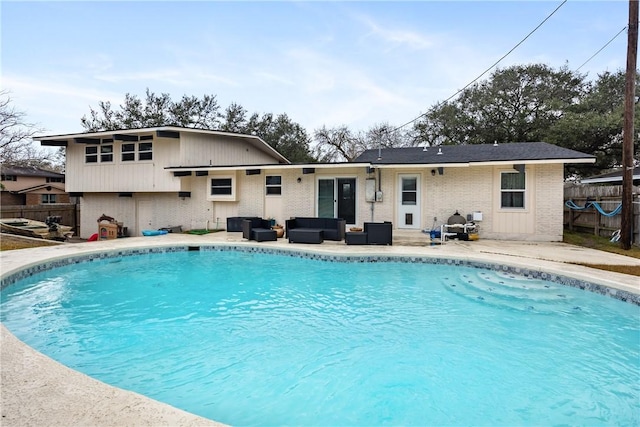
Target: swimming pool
[253,338]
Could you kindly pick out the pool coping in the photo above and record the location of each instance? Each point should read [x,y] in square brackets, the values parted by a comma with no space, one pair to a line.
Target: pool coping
[37,390]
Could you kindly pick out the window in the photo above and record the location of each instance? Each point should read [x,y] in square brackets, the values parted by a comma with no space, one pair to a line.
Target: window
[91,154]
[512,188]
[128,152]
[98,153]
[221,187]
[48,198]
[274,185]
[409,191]
[9,177]
[145,151]
[55,179]
[106,153]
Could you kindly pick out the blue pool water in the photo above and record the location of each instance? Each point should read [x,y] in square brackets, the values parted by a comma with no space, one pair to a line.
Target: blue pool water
[258,339]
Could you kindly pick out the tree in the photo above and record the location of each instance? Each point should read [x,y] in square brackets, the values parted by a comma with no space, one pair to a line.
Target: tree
[594,125]
[234,119]
[155,110]
[288,138]
[516,104]
[16,144]
[536,103]
[337,144]
[340,144]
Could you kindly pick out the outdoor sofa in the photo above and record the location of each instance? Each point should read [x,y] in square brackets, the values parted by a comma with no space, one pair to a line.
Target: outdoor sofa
[314,230]
[258,229]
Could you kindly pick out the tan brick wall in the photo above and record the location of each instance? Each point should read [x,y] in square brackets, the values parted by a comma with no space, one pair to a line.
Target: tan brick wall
[549,197]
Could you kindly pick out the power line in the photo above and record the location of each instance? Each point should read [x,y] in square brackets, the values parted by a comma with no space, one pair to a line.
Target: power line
[602,48]
[489,69]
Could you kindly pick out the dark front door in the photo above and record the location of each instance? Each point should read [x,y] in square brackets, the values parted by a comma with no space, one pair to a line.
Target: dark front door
[347,199]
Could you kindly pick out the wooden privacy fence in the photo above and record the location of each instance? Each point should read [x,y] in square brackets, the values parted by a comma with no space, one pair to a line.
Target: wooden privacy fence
[70,213]
[591,220]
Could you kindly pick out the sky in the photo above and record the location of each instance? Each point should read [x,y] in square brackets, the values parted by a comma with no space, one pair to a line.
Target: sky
[323,63]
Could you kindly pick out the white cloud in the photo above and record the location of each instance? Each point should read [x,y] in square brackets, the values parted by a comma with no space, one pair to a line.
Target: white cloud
[56,105]
[393,36]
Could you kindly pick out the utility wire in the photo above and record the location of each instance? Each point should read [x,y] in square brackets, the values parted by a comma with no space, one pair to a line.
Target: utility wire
[488,69]
[602,48]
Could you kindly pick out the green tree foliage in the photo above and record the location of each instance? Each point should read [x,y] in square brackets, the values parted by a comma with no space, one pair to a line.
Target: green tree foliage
[516,104]
[287,137]
[280,132]
[595,124]
[535,103]
[155,110]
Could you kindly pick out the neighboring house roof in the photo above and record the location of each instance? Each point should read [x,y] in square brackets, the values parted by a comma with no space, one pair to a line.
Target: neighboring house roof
[29,171]
[611,177]
[160,132]
[518,152]
[48,186]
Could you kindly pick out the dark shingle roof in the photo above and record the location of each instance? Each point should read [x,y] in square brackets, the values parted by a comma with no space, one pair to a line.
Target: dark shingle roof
[515,151]
[29,171]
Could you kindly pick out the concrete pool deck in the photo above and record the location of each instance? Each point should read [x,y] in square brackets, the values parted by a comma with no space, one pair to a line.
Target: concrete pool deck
[37,391]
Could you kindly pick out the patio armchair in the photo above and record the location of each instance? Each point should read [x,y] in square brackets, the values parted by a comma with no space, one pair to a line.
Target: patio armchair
[379,233]
[258,229]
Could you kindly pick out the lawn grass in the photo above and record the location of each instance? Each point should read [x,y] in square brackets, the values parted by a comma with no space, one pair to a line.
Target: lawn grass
[603,244]
[600,243]
[9,242]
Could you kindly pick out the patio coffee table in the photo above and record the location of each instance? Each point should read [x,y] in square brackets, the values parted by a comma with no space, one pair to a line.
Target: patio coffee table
[305,235]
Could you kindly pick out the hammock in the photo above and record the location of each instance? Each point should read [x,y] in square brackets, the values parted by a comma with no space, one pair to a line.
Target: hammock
[571,205]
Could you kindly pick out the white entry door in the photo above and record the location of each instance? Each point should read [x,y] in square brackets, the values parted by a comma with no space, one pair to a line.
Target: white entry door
[145,216]
[408,201]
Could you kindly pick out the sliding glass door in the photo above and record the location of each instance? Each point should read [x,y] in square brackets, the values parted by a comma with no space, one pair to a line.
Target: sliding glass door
[337,198]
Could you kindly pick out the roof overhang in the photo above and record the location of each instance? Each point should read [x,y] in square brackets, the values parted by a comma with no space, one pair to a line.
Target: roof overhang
[487,163]
[534,162]
[371,165]
[417,165]
[268,167]
[158,132]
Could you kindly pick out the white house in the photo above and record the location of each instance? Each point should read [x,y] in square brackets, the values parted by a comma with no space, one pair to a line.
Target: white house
[168,176]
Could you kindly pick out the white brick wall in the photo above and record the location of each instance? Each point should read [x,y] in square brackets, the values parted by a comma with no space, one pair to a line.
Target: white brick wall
[463,189]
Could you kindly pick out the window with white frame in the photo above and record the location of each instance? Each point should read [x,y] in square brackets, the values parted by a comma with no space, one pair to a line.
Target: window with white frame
[512,190]
[128,152]
[222,188]
[106,153]
[145,151]
[48,199]
[274,185]
[91,154]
